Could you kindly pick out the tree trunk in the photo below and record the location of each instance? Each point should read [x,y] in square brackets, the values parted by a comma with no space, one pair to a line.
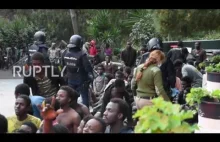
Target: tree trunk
[73,15]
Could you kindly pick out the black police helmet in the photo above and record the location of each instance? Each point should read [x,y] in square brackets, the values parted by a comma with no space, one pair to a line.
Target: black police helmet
[75,41]
[154,44]
[40,37]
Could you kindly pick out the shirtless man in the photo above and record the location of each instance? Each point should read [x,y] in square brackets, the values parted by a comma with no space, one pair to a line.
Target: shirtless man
[69,118]
[81,109]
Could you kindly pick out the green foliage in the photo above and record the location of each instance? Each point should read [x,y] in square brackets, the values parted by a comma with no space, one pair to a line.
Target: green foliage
[196,94]
[213,68]
[215,59]
[56,23]
[188,23]
[202,65]
[163,117]
[103,29]
[18,32]
[143,30]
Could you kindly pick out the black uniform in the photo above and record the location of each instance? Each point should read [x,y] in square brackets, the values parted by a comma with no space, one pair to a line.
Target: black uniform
[79,71]
[39,46]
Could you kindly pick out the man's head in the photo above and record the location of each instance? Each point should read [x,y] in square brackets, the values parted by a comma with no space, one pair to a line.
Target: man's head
[197,45]
[116,110]
[180,44]
[186,82]
[38,60]
[119,75]
[100,69]
[67,96]
[155,44]
[59,128]
[108,58]
[22,89]
[178,64]
[143,49]
[22,105]
[95,125]
[119,89]
[3,124]
[28,127]
[129,44]
[83,123]
[127,71]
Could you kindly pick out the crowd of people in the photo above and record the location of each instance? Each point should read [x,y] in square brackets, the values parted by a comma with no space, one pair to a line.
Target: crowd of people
[96,96]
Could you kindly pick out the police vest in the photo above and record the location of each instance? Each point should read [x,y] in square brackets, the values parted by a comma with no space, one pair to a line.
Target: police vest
[73,61]
[38,48]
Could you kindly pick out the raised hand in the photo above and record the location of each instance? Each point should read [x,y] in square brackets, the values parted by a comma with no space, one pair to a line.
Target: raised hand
[48,112]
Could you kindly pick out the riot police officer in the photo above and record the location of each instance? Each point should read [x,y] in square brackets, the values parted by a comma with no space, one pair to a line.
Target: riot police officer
[167,68]
[79,71]
[39,46]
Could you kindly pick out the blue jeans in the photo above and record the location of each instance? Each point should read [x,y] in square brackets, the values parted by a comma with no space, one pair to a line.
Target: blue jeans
[82,89]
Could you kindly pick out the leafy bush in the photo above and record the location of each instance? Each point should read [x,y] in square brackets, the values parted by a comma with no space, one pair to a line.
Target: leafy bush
[213,68]
[103,29]
[197,94]
[18,32]
[143,30]
[215,59]
[163,117]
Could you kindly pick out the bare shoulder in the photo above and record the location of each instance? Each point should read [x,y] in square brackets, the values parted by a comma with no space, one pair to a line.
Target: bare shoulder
[74,114]
[84,108]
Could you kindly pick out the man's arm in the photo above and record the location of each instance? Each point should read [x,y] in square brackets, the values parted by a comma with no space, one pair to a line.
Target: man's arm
[171,73]
[134,82]
[204,55]
[184,72]
[106,99]
[76,122]
[159,84]
[94,88]
[86,64]
[85,110]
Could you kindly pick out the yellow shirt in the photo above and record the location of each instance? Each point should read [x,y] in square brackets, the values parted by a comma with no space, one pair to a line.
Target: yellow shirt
[14,124]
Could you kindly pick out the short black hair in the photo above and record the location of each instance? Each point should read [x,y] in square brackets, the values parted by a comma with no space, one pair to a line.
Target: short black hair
[25,98]
[119,83]
[187,79]
[70,92]
[87,118]
[102,122]
[31,125]
[38,56]
[180,43]
[101,66]
[120,73]
[127,70]
[3,124]
[185,51]
[22,89]
[19,131]
[122,107]
[58,128]
[178,63]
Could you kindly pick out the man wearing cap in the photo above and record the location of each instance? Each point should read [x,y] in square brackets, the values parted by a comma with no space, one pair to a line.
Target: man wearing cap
[79,71]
